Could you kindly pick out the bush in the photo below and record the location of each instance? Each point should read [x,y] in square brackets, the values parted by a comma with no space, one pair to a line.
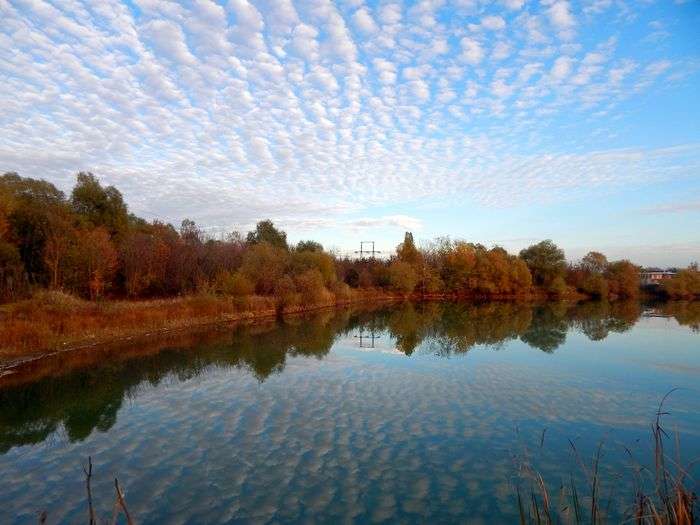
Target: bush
[557,287]
[685,284]
[595,285]
[341,291]
[234,284]
[310,286]
[285,292]
[263,265]
[402,277]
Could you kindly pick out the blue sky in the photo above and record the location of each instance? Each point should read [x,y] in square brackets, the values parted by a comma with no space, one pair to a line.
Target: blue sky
[502,121]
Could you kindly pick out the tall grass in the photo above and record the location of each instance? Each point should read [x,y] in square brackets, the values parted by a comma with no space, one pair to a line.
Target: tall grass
[661,495]
[53,320]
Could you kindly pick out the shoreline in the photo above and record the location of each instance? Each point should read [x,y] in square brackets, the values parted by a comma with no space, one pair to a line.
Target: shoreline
[57,324]
[13,358]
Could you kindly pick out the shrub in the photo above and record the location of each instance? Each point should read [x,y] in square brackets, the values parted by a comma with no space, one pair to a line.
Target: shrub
[557,287]
[235,284]
[310,285]
[685,284]
[263,265]
[285,292]
[595,285]
[341,291]
[402,277]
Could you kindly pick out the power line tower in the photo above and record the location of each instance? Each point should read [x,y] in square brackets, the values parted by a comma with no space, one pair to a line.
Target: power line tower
[363,251]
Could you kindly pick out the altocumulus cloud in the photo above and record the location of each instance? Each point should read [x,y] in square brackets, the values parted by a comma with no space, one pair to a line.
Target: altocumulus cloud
[298,109]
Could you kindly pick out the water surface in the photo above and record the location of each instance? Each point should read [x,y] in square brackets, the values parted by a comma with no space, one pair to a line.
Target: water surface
[411,413]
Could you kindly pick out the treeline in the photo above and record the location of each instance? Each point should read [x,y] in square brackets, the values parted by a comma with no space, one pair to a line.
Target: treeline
[90,245]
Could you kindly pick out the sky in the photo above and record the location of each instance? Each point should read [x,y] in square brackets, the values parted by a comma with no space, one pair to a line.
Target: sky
[503,122]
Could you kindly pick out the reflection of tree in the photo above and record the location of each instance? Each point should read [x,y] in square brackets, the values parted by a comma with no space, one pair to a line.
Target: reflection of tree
[89,397]
[596,319]
[547,331]
[687,313]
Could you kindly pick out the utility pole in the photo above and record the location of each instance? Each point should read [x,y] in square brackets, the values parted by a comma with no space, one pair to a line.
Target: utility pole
[363,250]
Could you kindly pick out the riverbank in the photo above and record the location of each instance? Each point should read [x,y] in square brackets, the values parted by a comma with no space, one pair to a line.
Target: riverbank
[56,322]
[53,322]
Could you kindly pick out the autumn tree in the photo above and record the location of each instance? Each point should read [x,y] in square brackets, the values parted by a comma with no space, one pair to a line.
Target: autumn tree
[93,262]
[11,272]
[28,201]
[594,262]
[402,276]
[264,264]
[407,251]
[623,279]
[59,236]
[457,263]
[144,260]
[545,261]
[685,284]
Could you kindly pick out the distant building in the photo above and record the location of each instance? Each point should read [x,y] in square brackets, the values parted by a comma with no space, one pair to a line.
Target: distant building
[653,277]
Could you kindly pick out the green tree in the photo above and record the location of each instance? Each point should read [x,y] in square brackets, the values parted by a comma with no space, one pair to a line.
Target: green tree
[402,276]
[265,231]
[545,261]
[100,206]
[309,246]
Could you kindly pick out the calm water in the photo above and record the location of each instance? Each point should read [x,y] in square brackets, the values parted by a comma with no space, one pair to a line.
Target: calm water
[412,413]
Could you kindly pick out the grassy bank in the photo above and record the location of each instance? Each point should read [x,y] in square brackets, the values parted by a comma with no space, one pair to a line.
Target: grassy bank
[52,321]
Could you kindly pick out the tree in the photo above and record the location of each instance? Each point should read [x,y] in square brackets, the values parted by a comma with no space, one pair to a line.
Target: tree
[623,279]
[594,262]
[458,261]
[684,285]
[309,246]
[101,206]
[59,235]
[93,262]
[545,261]
[265,231]
[310,285]
[402,277]
[190,232]
[11,271]
[26,203]
[407,251]
[264,265]
[144,261]
[285,293]
[595,285]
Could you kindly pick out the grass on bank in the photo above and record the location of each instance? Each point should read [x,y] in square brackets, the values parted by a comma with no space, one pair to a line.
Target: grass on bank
[55,320]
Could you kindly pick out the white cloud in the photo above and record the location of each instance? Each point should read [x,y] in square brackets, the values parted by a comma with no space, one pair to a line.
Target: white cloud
[560,16]
[472,51]
[295,109]
[167,38]
[493,23]
[363,21]
[561,68]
